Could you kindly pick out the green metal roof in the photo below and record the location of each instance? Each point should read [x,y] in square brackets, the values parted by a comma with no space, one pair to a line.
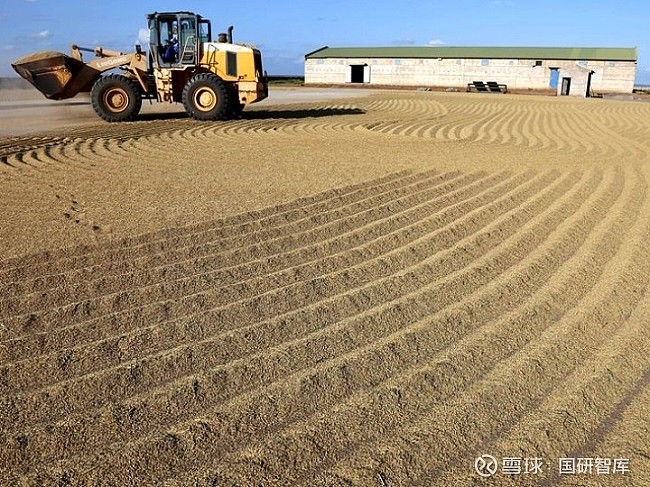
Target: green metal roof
[558,53]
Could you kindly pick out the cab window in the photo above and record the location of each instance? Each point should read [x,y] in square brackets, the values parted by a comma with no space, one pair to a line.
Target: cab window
[204,31]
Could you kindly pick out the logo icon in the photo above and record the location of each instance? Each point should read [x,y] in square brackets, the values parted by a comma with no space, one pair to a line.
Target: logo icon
[486,466]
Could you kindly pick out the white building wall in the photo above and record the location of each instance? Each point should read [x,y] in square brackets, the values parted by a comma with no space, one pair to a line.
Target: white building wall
[614,76]
[609,76]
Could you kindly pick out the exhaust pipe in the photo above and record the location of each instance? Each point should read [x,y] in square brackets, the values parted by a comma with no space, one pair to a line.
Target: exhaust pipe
[223,37]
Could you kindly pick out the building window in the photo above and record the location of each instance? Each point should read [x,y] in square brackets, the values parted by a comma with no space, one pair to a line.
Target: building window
[485,62]
[537,63]
[397,62]
[612,64]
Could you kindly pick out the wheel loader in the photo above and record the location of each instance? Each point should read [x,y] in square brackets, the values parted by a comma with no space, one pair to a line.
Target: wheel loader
[212,79]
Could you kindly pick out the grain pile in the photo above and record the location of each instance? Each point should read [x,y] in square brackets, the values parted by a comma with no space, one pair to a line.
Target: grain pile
[375,291]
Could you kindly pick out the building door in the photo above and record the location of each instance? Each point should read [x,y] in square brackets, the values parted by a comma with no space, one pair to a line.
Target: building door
[555,78]
[356,73]
[366,74]
[588,93]
[566,86]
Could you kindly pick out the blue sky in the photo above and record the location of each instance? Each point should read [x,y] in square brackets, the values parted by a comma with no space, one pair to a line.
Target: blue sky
[285,30]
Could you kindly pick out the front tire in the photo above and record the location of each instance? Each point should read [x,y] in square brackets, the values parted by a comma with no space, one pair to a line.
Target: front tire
[206,97]
[116,98]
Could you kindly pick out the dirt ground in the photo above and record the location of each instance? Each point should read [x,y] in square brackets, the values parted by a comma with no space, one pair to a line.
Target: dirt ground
[342,288]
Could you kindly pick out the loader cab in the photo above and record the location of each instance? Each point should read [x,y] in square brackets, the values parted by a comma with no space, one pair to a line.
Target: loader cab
[176,38]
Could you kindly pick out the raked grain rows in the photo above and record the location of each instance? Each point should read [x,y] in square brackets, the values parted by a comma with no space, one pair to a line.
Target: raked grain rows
[598,130]
[381,333]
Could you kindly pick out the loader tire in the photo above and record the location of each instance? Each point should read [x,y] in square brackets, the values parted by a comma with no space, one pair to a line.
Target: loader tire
[236,108]
[116,98]
[206,97]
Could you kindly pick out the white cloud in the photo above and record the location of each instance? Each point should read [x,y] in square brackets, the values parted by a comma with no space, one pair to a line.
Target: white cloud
[44,34]
[436,42]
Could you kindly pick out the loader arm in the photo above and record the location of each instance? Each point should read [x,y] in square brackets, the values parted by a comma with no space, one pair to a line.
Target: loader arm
[59,76]
[105,60]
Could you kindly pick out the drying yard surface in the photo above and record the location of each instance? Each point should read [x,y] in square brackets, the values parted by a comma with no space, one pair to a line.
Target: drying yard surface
[371,291]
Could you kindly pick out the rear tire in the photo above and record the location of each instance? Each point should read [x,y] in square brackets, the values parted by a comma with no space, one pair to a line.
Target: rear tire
[236,108]
[116,98]
[206,97]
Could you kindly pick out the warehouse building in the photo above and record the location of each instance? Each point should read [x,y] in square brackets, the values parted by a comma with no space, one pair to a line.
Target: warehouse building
[569,71]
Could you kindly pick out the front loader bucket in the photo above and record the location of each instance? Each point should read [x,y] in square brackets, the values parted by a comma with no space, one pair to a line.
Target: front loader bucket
[56,75]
